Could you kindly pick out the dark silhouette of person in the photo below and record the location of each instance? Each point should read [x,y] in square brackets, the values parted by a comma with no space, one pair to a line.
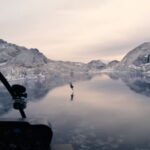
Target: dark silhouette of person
[71,86]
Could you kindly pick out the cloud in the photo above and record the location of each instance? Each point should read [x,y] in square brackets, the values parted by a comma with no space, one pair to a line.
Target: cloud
[65,29]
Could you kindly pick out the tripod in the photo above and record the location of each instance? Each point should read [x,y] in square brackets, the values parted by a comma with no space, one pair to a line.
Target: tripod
[18,94]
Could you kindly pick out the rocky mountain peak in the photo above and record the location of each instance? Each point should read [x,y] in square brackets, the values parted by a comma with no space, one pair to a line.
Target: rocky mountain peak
[138,56]
[11,54]
[97,64]
[2,41]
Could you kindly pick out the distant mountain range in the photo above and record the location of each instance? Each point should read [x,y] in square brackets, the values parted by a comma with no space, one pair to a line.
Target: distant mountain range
[17,62]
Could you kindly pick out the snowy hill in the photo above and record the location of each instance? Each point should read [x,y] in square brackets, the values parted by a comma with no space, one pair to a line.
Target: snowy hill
[17,62]
[11,54]
[137,59]
[96,64]
[113,64]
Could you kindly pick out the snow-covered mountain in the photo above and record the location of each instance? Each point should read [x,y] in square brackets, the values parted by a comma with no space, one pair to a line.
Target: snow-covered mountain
[17,62]
[137,59]
[96,64]
[11,54]
[112,64]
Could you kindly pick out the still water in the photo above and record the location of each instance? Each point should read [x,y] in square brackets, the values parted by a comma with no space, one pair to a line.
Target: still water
[103,113]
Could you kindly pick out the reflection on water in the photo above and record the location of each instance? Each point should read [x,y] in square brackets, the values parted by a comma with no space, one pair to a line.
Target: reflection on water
[72,96]
[136,82]
[106,112]
[37,89]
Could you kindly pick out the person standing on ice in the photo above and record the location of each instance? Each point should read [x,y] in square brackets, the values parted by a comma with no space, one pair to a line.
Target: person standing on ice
[71,76]
[71,86]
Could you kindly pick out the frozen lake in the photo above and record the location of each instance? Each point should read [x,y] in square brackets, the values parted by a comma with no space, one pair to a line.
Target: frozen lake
[102,113]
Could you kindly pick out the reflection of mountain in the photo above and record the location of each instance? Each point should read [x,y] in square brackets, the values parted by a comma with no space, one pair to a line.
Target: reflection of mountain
[5,101]
[140,87]
[36,89]
[136,82]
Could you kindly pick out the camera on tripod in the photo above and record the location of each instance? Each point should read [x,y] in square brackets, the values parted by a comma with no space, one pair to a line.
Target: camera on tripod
[19,97]
[23,134]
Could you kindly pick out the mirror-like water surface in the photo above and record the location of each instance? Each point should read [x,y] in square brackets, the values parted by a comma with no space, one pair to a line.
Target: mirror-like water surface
[101,113]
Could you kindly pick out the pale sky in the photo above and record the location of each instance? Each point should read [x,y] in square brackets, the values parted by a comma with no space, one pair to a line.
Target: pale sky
[76,30]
